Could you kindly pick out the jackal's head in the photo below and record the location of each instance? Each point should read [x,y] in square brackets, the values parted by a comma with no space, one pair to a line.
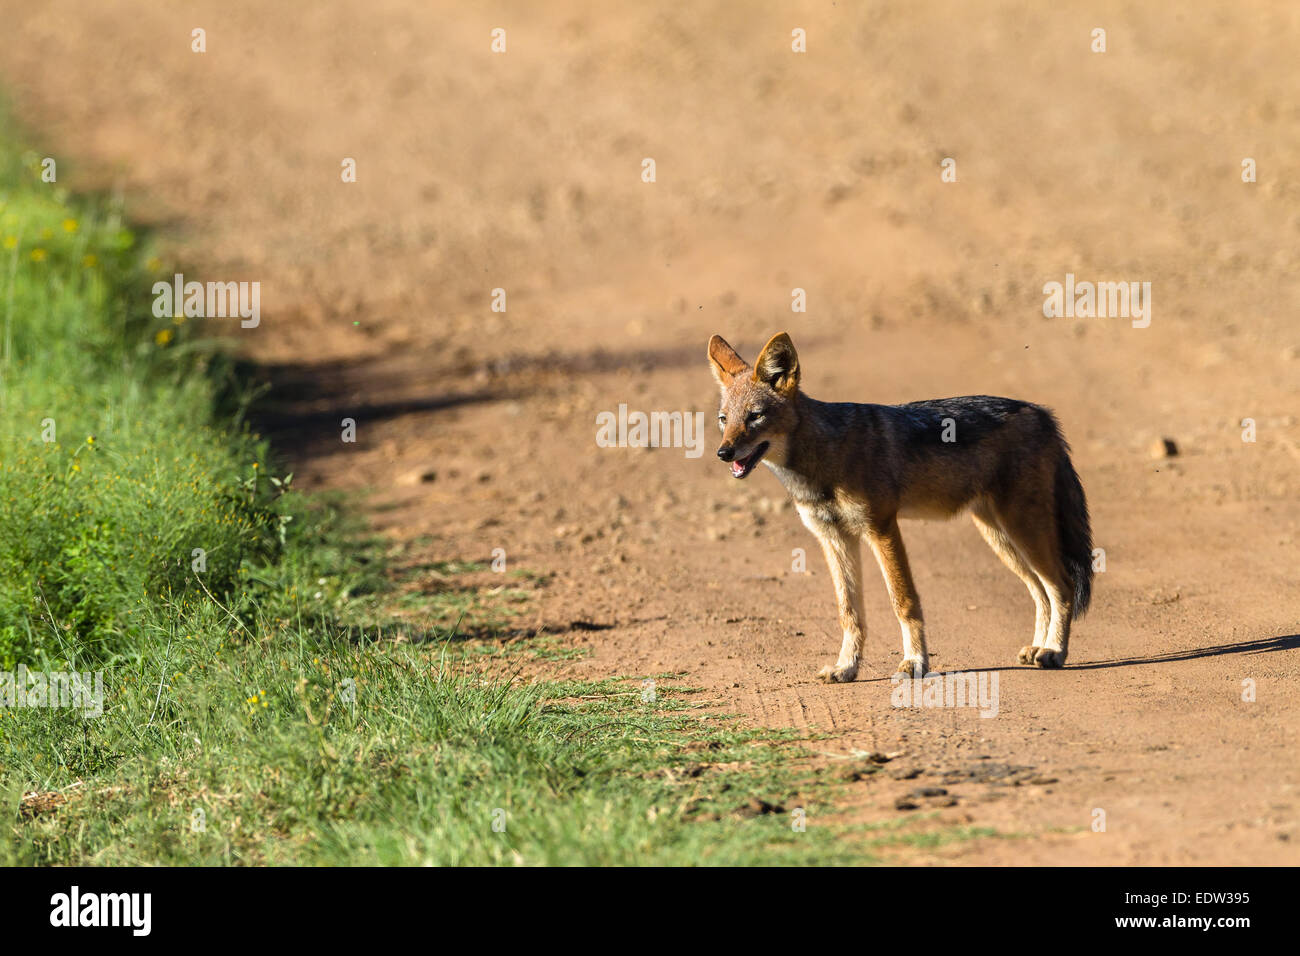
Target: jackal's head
[758,404]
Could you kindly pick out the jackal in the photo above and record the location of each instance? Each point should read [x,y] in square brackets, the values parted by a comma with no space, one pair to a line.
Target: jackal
[854,470]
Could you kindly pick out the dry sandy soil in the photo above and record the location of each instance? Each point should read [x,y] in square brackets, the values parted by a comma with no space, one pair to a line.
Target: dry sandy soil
[775,170]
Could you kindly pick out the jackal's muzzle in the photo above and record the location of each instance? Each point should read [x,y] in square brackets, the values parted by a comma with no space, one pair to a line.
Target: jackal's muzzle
[740,467]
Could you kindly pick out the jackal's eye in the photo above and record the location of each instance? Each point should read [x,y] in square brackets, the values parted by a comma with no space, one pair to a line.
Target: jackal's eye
[753,418]
[722,419]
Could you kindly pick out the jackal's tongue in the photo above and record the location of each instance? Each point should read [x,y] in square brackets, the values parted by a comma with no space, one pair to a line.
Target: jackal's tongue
[738,466]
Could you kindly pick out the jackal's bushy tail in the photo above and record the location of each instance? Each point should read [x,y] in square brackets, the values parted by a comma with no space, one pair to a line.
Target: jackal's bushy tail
[1075,532]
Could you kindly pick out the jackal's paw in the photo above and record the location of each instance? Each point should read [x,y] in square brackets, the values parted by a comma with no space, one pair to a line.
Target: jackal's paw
[1046,657]
[914,667]
[837,675]
[1026,655]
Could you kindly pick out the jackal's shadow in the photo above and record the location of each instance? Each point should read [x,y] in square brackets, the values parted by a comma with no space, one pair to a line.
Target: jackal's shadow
[1285,642]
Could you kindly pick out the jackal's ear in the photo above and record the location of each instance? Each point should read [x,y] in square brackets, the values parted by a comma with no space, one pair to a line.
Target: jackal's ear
[778,364]
[725,361]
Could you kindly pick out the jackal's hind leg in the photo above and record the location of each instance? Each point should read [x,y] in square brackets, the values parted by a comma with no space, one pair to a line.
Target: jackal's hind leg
[1006,549]
[1034,535]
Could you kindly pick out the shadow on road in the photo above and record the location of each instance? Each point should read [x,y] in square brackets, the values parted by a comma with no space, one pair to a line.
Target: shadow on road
[298,406]
[1285,642]
[1264,645]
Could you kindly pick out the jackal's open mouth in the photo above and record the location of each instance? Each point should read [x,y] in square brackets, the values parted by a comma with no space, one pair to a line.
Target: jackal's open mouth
[740,467]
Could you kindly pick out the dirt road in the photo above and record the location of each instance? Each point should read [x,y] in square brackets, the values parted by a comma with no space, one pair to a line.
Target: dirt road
[775,171]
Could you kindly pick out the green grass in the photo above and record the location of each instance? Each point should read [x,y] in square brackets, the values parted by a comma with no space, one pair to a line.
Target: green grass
[290,747]
[281,702]
[115,475]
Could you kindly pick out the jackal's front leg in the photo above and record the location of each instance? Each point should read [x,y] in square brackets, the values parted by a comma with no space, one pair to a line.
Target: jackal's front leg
[844,557]
[887,543]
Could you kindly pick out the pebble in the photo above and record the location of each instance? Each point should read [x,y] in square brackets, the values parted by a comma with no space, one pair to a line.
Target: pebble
[929,792]
[1164,448]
